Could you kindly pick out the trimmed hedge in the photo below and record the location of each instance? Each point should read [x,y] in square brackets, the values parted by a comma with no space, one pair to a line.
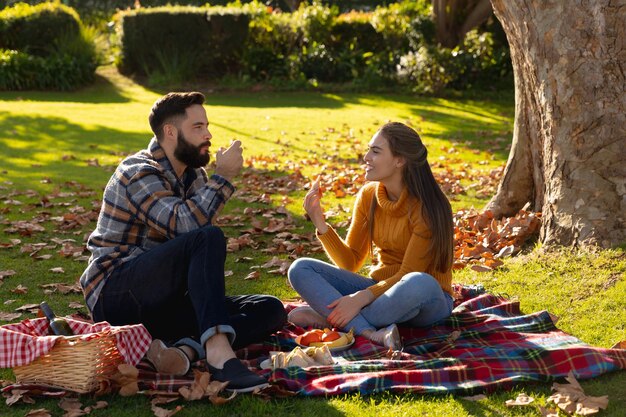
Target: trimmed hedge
[45,47]
[36,29]
[190,41]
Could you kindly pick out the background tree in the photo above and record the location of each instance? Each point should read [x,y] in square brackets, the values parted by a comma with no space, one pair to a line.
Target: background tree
[454,18]
[568,157]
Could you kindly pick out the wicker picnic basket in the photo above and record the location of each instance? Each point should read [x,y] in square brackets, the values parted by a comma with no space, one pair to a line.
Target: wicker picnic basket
[74,363]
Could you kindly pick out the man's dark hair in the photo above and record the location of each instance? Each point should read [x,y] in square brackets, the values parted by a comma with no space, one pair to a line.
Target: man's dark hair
[171,105]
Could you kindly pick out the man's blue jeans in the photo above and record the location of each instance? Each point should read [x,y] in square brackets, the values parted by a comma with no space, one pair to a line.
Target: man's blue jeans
[176,290]
[416,300]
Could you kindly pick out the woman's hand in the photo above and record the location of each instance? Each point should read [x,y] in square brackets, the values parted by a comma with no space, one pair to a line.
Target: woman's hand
[312,206]
[347,307]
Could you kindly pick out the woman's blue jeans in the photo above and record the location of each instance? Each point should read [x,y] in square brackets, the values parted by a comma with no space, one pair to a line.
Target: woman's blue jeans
[416,300]
[176,290]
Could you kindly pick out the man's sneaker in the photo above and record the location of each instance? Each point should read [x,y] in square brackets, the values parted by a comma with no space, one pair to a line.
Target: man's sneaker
[305,316]
[239,377]
[167,360]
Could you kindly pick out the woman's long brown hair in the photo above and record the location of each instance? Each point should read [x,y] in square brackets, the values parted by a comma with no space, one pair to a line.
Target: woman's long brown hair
[421,184]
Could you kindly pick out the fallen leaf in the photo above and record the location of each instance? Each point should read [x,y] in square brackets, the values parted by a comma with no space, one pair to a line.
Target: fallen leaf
[20,289]
[57,270]
[96,406]
[163,412]
[72,407]
[254,275]
[7,273]
[619,345]
[571,398]
[217,400]
[40,412]
[481,268]
[521,400]
[28,307]
[17,395]
[197,389]
[9,316]
[273,391]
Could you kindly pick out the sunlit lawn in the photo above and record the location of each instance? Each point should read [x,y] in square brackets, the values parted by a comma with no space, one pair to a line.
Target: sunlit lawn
[48,139]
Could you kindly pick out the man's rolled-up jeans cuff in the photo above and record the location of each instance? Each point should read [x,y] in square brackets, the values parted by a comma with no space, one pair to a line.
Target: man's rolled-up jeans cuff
[197,347]
[220,328]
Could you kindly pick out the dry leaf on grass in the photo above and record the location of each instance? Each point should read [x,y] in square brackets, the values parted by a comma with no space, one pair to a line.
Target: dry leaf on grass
[571,398]
[197,389]
[57,270]
[521,400]
[203,387]
[96,406]
[40,412]
[20,289]
[125,379]
[163,412]
[254,275]
[273,391]
[32,308]
[72,407]
[9,316]
[17,395]
[7,273]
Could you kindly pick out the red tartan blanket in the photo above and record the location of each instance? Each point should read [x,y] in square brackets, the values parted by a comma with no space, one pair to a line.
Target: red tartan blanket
[486,344]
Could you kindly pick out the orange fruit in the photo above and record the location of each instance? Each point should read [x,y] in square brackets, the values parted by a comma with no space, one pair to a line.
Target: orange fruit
[311,336]
[330,336]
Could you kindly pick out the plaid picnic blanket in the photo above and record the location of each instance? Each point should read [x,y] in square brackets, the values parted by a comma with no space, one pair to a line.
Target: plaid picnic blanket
[486,344]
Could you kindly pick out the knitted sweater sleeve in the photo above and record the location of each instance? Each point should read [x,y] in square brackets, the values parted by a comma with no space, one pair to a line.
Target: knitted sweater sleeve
[350,253]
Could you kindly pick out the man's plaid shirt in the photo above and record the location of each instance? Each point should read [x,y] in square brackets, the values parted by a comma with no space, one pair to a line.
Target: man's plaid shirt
[145,204]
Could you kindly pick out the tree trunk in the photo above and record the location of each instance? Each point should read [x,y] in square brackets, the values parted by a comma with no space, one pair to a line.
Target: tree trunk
[568,157]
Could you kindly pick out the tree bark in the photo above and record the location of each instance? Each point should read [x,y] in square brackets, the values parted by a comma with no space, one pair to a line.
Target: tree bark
[568,156]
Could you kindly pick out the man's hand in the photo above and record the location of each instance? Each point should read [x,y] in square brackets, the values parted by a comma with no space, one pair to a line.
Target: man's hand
[228,162]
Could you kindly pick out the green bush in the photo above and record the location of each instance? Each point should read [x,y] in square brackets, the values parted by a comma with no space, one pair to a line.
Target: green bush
[45,47]
[178,43]
[22,71]
[36,29]
[476,62]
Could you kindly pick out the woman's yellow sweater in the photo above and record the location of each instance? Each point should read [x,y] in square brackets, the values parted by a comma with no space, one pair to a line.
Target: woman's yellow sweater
[400,234]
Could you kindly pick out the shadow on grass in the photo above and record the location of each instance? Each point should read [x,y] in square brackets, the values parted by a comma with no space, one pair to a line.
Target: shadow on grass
[33,148]
[103,90]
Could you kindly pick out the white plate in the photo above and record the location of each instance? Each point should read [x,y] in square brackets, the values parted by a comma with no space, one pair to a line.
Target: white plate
[332,349]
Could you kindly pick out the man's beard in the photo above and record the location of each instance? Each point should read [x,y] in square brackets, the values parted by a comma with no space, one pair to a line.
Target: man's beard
[189,154]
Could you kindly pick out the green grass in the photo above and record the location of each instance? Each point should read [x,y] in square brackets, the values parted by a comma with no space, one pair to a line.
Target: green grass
[47,139]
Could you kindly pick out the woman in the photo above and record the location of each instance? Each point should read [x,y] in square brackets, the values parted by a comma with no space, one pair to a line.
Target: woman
[403,212]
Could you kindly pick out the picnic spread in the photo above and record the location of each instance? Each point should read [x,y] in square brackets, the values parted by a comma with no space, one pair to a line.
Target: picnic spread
[486,344]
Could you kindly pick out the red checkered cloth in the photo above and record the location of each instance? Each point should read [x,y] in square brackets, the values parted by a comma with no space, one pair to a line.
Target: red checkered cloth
[21,343]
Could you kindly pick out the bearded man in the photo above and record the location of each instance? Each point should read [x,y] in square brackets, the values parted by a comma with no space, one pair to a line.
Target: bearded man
[158,260]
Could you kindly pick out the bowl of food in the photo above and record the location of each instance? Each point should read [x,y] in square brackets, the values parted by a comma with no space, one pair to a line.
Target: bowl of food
[336,341]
